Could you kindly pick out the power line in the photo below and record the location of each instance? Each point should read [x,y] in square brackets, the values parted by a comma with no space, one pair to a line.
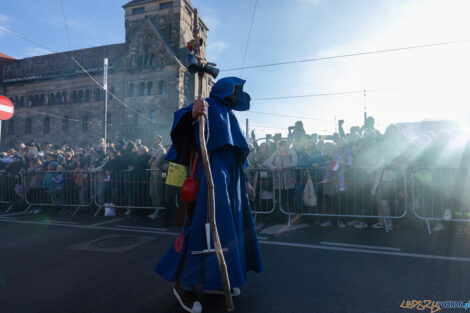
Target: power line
[249,36]
[325,94]
[293,116]
[65,22]
[6,30]
[348,55]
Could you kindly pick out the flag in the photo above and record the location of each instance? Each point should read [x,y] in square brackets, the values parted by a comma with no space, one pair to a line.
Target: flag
[334,166]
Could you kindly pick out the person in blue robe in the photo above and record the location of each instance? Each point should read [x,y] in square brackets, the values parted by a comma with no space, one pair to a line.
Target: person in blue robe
[228,151]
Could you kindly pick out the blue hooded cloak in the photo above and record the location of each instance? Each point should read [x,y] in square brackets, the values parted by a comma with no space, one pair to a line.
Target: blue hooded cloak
[228,151]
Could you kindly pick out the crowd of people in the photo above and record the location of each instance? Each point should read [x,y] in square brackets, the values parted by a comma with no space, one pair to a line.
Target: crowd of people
[359,173]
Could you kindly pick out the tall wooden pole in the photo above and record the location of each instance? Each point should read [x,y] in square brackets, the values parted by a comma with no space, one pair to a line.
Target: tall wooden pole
[210,182]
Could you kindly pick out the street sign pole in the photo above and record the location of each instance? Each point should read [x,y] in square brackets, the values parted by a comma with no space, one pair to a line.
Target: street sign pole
[105,86]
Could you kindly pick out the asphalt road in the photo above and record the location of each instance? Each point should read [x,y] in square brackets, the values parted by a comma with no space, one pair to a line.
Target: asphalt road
[78,264]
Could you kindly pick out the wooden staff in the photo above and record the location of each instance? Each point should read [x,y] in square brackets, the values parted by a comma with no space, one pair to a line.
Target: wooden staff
[210,182]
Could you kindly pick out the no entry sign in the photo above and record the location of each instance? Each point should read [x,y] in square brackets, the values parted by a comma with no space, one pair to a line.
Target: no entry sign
[6,108]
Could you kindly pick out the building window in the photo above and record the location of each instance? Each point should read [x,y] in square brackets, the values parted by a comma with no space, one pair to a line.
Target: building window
[142,89]
[81,97]
[166,5]
[15,102]
[63,99]
[21,101]
[11,127]
[36,100]
[30,101]
[149,88]
[146,60]
[140,62]
[42,99]
[162,63]
[51,99]
[74,96]
[85,123]
[57,98]
[161,87]
[152,60]
[138,10]
[130,90]
[65,125]
[27,127]
[87,95]
[46,126]
[97,94]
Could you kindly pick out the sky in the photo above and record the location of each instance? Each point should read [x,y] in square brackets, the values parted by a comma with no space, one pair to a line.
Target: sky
[400,86]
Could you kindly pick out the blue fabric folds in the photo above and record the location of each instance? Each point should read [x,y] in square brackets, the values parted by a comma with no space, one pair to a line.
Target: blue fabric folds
[228,151]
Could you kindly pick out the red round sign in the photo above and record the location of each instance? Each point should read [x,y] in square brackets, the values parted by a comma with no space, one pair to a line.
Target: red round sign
[6,108]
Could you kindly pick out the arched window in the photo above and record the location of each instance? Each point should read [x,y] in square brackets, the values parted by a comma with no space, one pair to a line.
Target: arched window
[111,90]
[30,101]
[65,125]
[81,97]
[161,87]
[149,88]
[153,115]
[97,94]
[21,103]
[85,123]
[130,90]
[74,96]
[152,60]
[27,127]
[142,89]
[64,98]
[57,98]
[51,99]
[42,100]
[36,100]
[161,62]
[46,126]
[87,95]
[146,60]
[11,127]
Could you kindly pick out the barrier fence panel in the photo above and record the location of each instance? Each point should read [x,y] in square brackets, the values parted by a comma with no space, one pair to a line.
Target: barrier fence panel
[441,194]
[58,188]
[10,189]
[352,193]
[130,190]
[262,180]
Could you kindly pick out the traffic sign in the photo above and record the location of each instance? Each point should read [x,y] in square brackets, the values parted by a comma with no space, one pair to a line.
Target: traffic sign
[6,108]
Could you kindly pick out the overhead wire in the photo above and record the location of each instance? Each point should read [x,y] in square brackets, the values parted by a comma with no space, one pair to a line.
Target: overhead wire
[326,94]
[290,116]
[348,55]
[249,36]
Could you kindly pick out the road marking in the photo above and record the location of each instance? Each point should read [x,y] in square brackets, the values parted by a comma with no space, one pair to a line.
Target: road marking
[106,222]
[64,222]
[92,227]
[411,255]
[13,214]
[358,246]
[276,229]
[274,243]
[141,227]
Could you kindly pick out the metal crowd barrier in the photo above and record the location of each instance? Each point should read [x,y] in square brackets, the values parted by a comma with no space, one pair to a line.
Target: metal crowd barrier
[58,189]
[354,199]
[9,190]
[441,194]
[262,180]
[126,189]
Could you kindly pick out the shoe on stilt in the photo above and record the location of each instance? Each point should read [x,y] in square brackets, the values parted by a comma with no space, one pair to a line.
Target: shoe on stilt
[234,291]
[187,299]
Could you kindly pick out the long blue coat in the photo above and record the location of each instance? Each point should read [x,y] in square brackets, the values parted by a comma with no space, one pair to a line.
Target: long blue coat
[228,151]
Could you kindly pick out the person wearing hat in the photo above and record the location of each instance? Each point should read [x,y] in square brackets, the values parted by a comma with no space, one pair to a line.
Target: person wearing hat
[228,152]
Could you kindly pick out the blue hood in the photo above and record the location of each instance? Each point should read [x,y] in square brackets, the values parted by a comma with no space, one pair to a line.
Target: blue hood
[225,87]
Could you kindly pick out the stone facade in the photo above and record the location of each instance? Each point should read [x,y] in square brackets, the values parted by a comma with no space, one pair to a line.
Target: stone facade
[56,102]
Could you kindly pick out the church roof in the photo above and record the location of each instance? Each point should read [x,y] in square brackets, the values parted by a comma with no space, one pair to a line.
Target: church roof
[59,64]
[4,56]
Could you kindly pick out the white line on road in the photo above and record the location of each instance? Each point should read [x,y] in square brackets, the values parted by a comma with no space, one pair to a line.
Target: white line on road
[141,227]
[106,222]
[411,255]
[358,246]
[274,243]
[93,227]
[13,214]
